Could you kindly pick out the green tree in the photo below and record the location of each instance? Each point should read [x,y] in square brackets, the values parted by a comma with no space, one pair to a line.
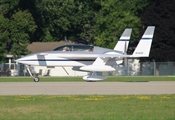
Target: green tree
[3,36]
[21,28]
[99,22]
[160,13]
[57,19]
[7,7]
[52,19]
[113,17]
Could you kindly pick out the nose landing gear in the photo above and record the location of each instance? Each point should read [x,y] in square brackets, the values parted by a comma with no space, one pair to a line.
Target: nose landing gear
[35,78]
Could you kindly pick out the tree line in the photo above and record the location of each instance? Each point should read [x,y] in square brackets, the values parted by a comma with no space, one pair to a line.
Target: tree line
[99,22]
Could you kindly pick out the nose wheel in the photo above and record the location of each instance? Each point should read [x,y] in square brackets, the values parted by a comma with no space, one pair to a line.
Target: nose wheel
[36,79]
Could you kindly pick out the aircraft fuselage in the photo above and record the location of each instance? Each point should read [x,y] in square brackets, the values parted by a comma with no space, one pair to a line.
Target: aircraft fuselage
[60,59]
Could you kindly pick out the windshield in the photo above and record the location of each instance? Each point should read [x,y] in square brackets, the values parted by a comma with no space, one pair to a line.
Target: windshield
[86,48]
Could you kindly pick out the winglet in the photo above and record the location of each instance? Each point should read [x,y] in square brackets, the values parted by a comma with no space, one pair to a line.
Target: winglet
[144,46]
[123,42]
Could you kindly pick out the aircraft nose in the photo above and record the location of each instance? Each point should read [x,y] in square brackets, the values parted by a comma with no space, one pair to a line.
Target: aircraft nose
[19,60]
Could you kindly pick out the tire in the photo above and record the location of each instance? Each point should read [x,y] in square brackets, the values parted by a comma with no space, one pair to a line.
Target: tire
[36,79]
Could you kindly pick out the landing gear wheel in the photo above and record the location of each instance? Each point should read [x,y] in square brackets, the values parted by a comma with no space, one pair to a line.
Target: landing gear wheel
[36,79]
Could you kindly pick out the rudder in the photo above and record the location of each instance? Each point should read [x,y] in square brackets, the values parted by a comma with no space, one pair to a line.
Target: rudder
[144,45]
[123,42]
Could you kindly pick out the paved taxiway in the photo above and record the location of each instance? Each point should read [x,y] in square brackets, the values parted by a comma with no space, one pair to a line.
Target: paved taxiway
[86,88]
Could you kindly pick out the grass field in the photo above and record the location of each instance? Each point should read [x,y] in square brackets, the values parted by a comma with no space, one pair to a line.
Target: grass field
[82,107]
[88,107]
[79,79]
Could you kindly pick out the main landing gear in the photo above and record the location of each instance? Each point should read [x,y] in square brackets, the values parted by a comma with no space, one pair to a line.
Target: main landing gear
[35,78]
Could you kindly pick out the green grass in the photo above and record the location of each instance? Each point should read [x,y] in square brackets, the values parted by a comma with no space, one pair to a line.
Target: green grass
[79,79]
[84,107]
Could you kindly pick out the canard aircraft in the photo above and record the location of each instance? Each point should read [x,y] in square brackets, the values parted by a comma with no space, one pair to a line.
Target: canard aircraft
[89,58]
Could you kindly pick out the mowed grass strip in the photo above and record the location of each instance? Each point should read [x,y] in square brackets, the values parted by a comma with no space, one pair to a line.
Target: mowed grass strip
[88,107]
[79,79]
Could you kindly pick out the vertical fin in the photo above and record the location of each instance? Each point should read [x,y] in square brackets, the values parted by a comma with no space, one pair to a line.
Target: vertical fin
[144,45]
[123,42]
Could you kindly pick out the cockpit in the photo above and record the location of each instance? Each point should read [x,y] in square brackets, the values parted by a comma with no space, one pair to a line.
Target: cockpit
[75,47]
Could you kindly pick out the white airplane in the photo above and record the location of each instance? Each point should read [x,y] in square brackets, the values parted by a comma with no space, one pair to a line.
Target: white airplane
[90,58]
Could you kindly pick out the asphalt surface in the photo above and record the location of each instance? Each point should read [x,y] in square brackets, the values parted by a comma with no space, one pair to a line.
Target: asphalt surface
[86,88]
